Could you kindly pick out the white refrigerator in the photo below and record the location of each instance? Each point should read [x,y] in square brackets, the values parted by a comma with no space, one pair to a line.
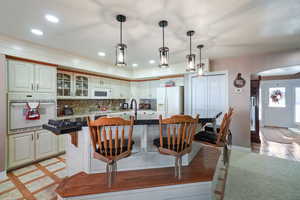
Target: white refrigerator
[170,101]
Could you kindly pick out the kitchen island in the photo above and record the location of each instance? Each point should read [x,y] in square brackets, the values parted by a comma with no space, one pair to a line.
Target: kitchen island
[144,154]
[144,174]
[79,157]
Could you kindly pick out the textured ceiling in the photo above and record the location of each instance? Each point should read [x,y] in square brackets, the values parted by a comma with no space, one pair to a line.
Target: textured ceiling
[227,28]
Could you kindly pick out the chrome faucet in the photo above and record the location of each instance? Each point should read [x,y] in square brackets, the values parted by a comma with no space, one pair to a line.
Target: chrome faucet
[135,108]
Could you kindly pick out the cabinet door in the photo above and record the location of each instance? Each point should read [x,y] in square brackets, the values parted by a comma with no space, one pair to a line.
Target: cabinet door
[153,85]
[62,139]
[64,84]
[124,90]
[115,87]
[20,76]
[46,144]
[45,79]
[134,90]
[161,96]
[81,86]
[21,149]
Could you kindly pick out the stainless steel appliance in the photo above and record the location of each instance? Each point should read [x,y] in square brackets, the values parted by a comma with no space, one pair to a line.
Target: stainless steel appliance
[101,93]
[17,115]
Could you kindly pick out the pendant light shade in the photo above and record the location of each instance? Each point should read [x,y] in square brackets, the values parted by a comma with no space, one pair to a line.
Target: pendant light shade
[200,65]
[191,58]
[163,51]
[121,49]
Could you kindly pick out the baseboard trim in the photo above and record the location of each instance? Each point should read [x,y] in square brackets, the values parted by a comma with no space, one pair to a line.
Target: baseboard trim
[3,175]
[245,149]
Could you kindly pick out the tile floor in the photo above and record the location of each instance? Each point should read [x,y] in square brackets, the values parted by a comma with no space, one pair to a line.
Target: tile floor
[34,182]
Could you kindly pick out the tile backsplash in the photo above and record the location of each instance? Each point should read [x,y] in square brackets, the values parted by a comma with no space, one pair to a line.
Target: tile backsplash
[87,106]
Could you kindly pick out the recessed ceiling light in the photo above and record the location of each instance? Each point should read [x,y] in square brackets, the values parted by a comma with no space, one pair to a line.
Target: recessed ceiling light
[37,32]
[151,61]
[52,18]
[102,54]
[135,65]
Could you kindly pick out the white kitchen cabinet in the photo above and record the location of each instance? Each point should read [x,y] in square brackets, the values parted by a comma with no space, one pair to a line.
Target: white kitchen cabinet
[20,76]
[46,144]
[115,87]
[45,79]
[124,89]
[21,149]
[161,96]
[81,86]
[62,139]
[143,89]
[28,77]
[134,90]
[64,84]
[153,85]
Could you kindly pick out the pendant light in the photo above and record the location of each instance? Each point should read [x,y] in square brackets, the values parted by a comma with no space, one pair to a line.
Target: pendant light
[163,51]
[191,65]
[200,65]
[121,49]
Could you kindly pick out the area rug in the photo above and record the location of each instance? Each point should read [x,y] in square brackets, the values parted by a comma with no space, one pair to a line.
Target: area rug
[279,135]
[254,176]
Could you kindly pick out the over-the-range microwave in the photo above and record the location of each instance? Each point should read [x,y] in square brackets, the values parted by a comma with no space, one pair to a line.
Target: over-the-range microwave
[101,93]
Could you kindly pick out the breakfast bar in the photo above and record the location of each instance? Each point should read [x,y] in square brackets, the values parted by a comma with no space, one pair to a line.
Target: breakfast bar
[79,158]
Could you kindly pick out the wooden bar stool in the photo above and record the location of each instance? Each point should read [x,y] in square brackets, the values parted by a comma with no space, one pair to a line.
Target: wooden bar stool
[180,130]
[110,146]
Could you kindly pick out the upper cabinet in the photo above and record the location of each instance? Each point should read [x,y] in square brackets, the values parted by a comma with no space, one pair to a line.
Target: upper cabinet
[21,76]
[64,84]
[73,86]
[29,77]
[81,86]
[45,78]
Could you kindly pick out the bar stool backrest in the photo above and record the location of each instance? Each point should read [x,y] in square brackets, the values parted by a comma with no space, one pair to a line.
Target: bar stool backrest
[180,131]
[111,136]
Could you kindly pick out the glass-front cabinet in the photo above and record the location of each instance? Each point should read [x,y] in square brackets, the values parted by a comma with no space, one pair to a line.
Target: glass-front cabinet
[81,86]
[64,84]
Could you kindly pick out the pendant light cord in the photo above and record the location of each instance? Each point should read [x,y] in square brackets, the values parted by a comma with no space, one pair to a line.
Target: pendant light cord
[121,32]
[163,37]
[200,65]
[190,45]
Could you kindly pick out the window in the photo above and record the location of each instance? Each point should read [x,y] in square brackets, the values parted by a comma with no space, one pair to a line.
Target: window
[277,97]
[297,104]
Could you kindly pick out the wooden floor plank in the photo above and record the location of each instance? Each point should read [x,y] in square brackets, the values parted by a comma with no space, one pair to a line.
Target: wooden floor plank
[201,169]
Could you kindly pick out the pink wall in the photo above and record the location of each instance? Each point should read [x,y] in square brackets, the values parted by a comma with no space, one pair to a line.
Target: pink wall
[2,111]
[248,65]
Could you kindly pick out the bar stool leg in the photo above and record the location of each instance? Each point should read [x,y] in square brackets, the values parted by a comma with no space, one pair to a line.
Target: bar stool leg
[114,171]
[109,169]
[176,166]
[179,167]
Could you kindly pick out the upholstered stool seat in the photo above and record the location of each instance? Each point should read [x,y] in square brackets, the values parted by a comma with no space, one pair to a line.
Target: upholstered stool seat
[175,147]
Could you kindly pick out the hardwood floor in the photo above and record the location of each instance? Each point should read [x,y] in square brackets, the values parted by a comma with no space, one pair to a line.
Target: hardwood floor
[201,169]
[288,149]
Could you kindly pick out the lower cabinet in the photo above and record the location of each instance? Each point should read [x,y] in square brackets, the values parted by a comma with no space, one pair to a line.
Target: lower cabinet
[62,139]
[46,144]
[21,149]
[25,148]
